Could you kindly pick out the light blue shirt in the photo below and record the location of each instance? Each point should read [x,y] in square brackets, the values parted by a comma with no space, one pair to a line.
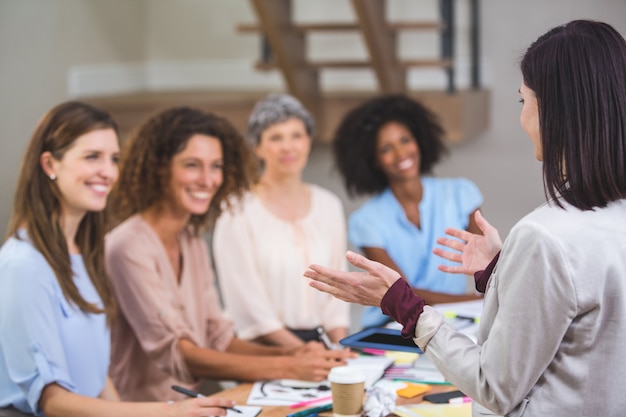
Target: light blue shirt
[44,338]
[381,223]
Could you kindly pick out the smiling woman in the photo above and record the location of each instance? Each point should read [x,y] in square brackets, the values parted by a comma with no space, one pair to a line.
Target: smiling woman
[263,244]
[388,147]
[55,300]
[177,172]
[86,173]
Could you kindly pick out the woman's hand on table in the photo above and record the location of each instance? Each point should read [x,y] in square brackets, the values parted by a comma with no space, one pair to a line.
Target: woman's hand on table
[314,365]
[201,406]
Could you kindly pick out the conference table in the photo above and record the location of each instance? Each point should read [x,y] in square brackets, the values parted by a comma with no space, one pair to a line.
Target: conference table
[240,393]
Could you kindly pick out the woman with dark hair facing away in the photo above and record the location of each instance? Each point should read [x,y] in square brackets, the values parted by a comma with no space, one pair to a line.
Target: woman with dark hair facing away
[177,169]
[388,146]
[551,340]
[55,301]
[262,245]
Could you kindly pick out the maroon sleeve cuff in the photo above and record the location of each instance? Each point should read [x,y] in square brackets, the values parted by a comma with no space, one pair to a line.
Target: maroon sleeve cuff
[482,277]
[403,305]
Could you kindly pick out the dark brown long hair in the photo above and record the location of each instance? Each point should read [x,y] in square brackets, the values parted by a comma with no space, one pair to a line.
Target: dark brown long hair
[37,203]
[578,73]
[145,166]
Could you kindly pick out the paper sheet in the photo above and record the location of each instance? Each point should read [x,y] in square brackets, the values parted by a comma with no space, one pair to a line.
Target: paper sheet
[246,411]
[280,393]
[275,393]
[435,410]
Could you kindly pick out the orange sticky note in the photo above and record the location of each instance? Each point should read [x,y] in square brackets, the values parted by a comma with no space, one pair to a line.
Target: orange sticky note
[411,390]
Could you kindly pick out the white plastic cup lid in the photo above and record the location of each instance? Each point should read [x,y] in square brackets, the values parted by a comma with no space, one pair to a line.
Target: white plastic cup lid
[346,375]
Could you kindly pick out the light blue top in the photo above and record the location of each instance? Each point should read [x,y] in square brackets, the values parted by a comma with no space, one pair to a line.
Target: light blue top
[381,223]
[44,338]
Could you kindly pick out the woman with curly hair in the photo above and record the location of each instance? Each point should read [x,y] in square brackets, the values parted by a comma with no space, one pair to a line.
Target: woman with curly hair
[388,147]
[55,300]
[177,170]
[262,245]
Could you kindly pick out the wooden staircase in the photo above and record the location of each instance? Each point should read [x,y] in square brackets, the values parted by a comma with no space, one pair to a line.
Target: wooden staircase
[463,113]
[284,48]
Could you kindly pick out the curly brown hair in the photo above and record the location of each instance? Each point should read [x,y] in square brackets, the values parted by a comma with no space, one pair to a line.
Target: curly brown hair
[354,143]
[145,167]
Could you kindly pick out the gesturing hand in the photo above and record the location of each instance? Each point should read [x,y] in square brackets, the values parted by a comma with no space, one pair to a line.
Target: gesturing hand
[365,288]
[476,251]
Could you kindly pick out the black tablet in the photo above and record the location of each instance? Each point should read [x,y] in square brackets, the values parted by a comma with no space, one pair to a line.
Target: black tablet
[380,338]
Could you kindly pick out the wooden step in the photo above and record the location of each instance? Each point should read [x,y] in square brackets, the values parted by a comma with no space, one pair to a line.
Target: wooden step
[463,115]
[361,64]
[426,63]
[346,27]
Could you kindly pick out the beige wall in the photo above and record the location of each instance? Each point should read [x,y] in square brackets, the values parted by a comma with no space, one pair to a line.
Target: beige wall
[501,160]
[198,29]
[41,40]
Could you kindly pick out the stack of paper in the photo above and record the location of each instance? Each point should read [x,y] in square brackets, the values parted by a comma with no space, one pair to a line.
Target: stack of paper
[422,370]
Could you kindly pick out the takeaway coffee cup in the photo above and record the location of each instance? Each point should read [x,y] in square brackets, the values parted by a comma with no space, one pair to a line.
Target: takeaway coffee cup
[347,386]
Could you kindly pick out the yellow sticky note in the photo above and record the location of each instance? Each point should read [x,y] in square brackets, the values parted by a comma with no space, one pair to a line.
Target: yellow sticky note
[411,390]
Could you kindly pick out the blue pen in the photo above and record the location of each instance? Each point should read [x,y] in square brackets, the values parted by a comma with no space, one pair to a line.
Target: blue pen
[310,412]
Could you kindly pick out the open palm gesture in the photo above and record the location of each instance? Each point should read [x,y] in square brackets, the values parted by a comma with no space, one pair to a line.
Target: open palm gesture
[472,252]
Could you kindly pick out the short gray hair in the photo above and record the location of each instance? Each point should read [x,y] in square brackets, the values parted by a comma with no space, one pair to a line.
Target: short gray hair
[277,108]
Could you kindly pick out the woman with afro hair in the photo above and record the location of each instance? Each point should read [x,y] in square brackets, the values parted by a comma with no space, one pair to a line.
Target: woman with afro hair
[387,147]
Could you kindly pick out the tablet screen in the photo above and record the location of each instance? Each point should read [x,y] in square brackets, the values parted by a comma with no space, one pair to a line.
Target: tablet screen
[380,338]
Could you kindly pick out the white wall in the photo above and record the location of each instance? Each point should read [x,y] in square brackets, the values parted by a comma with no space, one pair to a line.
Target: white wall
[45,42]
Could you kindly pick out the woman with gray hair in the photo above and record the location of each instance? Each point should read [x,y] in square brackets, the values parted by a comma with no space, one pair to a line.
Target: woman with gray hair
[266,240]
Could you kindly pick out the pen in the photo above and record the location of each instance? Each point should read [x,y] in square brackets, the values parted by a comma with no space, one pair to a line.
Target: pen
[309,412]
[194,394]
[453,315]
[324,338]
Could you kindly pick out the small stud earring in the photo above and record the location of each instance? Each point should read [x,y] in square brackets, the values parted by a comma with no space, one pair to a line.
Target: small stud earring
[53,177]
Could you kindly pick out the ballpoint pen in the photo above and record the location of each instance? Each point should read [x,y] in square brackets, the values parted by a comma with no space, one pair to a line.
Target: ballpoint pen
[194,394]
[324,338]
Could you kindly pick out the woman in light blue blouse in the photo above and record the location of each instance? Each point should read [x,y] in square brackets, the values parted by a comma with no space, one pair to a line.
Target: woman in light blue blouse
[55,301]
[388,147]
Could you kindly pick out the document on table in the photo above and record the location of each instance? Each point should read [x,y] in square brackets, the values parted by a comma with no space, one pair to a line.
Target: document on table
[288,392]
[434,410]
[246,411]
[279,393]
[463,316]
[467,309]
